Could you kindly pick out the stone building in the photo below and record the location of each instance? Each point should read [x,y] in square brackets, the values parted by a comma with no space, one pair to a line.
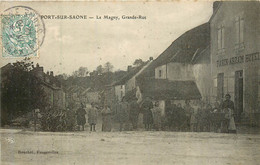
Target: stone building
[54,94]
[235,58]
[75,95]
[126,86]
[181,72]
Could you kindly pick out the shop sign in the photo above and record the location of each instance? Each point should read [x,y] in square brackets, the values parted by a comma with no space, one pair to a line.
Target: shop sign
[239,59]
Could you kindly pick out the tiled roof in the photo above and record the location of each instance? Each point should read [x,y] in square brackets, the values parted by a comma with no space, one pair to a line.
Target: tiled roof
[129,75]
[182,49]
[130,94]
[162,89]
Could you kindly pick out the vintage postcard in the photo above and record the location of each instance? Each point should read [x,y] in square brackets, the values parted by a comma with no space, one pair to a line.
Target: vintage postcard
[130,82]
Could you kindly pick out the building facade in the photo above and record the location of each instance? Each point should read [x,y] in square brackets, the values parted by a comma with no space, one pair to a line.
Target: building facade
[54,94]
[127,85]
[175,71]
[119,91]
[235,58]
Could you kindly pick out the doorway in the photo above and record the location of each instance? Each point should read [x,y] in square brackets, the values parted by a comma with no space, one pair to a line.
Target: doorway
[238,94]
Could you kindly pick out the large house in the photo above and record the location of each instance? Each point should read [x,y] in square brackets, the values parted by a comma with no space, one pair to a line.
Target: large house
[235,54]
[181,72]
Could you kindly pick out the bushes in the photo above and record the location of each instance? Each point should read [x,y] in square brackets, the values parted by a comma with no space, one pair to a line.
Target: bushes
[58,121]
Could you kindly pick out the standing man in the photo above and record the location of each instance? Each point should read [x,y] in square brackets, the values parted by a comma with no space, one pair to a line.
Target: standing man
[81,119]
[123,114]
[228,107]
[92,117]
[228,103]
[157,116]
[147,105]
[188,110]
[134,112]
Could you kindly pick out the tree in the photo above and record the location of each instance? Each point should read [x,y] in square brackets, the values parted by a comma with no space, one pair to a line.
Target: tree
[83,71]
[100,69]
[75,73]
[108,67]
[22,91]
[138,62]
[62,77]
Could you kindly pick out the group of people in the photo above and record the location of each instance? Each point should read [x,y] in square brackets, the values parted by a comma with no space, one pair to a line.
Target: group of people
[92,117]
[197,116]
[124,113]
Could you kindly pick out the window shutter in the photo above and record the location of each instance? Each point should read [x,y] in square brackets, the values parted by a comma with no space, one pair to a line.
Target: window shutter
[237,31]
[241,31]
[219,38]
[222,37]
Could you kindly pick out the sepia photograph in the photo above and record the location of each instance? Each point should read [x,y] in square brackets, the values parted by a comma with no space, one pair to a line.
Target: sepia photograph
[130,82]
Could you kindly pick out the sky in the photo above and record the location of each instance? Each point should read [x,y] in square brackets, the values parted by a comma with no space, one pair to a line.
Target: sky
[70,44]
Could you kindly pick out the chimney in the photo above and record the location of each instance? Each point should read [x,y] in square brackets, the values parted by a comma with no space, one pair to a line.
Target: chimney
[151,59]
[51,73]
[216,5]
[129,68]
[40,69]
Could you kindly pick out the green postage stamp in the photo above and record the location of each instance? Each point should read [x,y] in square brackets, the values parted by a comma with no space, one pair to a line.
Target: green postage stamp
[22,31]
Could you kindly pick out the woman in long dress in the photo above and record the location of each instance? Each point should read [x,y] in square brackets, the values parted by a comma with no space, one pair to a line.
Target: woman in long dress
[231,125]
[106,119]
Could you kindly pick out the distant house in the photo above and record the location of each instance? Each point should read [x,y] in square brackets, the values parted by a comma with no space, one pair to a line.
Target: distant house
[77,95]
[73,94]
[91,95]
[127,84]
[54,93]
[184,64]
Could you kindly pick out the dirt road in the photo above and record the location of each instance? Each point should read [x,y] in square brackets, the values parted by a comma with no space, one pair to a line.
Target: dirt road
[131,148]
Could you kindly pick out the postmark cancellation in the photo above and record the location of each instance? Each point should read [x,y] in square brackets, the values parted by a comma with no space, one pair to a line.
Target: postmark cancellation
[22,32]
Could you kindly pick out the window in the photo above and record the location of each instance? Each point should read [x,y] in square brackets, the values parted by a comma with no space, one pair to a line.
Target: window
[221,32]
[160,73]
[239,29]
[121,86]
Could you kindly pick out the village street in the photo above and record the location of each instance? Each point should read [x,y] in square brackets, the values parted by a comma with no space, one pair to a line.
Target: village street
[20,147]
